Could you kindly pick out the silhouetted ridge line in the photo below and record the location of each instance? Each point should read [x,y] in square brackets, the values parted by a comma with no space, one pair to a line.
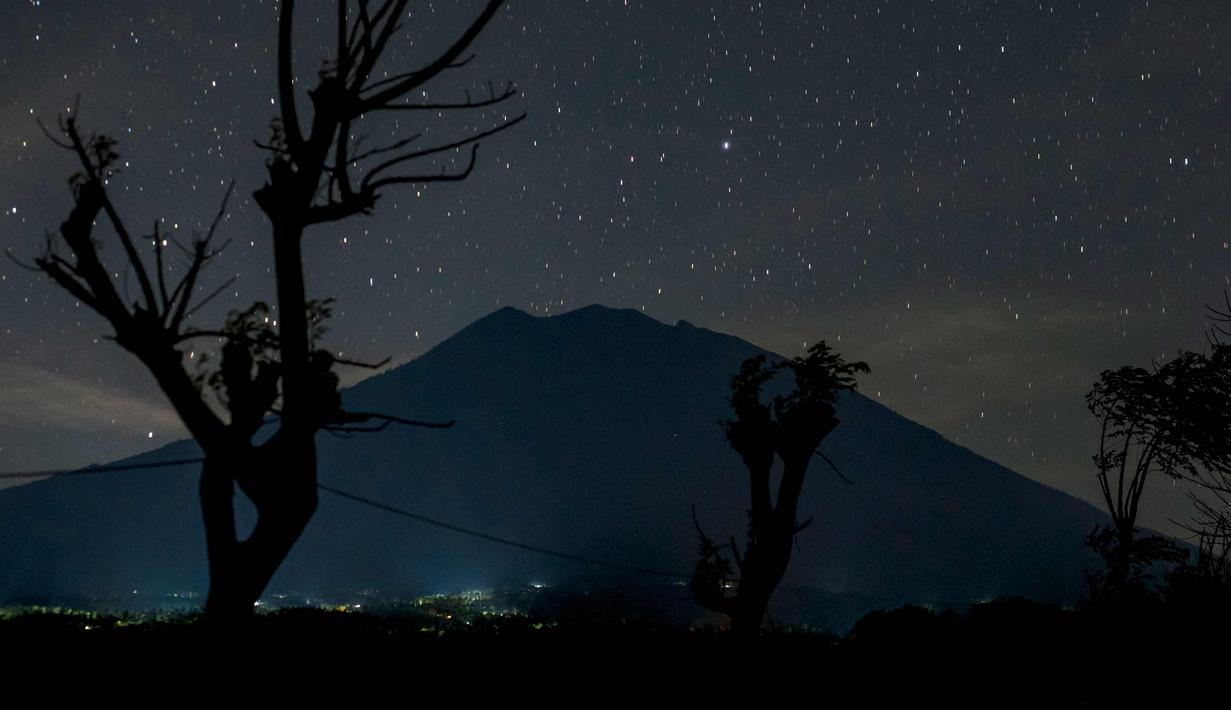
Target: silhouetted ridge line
[17,475]
[375,504]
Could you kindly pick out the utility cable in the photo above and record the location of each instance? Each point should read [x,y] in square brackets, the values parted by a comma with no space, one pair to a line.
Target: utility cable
[372,503]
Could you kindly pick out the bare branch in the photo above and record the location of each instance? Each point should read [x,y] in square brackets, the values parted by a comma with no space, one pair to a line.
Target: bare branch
[21,264]
[70,284]
[336,210]
[509,91]
[193,333]
[224,334]
[442,176]
[387,149]
[357,429]
[340,174]
[186,286]
[398,77]
[76,232]
[374,46]
[286,77]
[366,365]
[421,76]
[181,295]
[342,55]
[1224,315]
[211,296]
[271,148]
[361,21]
[360,41]
[130,249]
[63,263]
[160,269]
[370,183]
[50,137]
[222,210]
[348,417]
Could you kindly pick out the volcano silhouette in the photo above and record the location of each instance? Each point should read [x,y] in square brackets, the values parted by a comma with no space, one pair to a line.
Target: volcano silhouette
[591,432]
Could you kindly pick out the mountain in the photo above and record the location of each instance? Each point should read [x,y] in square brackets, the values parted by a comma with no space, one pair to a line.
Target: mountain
[592,432]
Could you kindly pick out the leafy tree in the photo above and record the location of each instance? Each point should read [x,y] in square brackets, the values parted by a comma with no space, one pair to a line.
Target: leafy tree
[1202,587]
[266,367]
[1172,420]
[791,429]
[1200,590]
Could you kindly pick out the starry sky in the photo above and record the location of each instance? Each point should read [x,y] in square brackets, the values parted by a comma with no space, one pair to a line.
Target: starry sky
[990,202]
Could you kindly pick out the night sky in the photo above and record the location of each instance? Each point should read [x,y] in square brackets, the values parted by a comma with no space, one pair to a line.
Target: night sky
[989,202]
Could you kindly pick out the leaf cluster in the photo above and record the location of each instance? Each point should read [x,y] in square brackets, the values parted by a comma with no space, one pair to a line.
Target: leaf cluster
[1176,414]
[244,375]
[821,374]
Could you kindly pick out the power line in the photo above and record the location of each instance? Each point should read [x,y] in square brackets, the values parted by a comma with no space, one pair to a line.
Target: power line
[369,502]
[499,540]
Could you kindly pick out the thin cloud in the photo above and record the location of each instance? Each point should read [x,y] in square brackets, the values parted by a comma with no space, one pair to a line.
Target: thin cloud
[33,396]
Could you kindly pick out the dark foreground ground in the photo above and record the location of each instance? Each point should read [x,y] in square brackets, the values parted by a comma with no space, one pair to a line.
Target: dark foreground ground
[1005,653]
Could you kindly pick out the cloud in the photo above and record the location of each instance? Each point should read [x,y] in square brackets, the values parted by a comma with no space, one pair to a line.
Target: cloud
[31,396]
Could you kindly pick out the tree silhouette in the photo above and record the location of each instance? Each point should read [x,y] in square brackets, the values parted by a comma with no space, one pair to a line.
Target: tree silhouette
[1206,582]
[266,366]
[1173,420]
[791,429]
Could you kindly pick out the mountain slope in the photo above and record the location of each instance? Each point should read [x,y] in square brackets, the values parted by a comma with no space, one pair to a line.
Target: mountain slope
[591,432]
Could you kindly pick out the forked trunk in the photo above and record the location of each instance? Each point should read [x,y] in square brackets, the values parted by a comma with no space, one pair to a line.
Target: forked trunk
[281,482]
[764,565]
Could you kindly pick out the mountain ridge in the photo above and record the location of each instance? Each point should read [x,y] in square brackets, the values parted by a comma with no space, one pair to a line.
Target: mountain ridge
[593,432]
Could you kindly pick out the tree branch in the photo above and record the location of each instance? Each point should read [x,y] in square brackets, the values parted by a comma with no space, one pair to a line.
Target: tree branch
[371,183]
[442,176]
[55,270]
[160,269]
[421,76]
[386,149]
[286,77]
[94,176]
[211,296]
[358,417]
[373,49]
[181,296]
[357,203]
[21,264]
[366,365]
[398,77]
[508,92]
[50,137]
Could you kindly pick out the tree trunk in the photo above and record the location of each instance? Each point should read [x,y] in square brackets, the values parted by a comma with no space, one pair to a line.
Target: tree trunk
[279,476]
[1122,560]
[764,565]
[751,603]
[285,498]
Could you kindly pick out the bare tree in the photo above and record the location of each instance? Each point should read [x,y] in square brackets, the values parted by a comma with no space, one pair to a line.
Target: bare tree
[317,173]
[792,428]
